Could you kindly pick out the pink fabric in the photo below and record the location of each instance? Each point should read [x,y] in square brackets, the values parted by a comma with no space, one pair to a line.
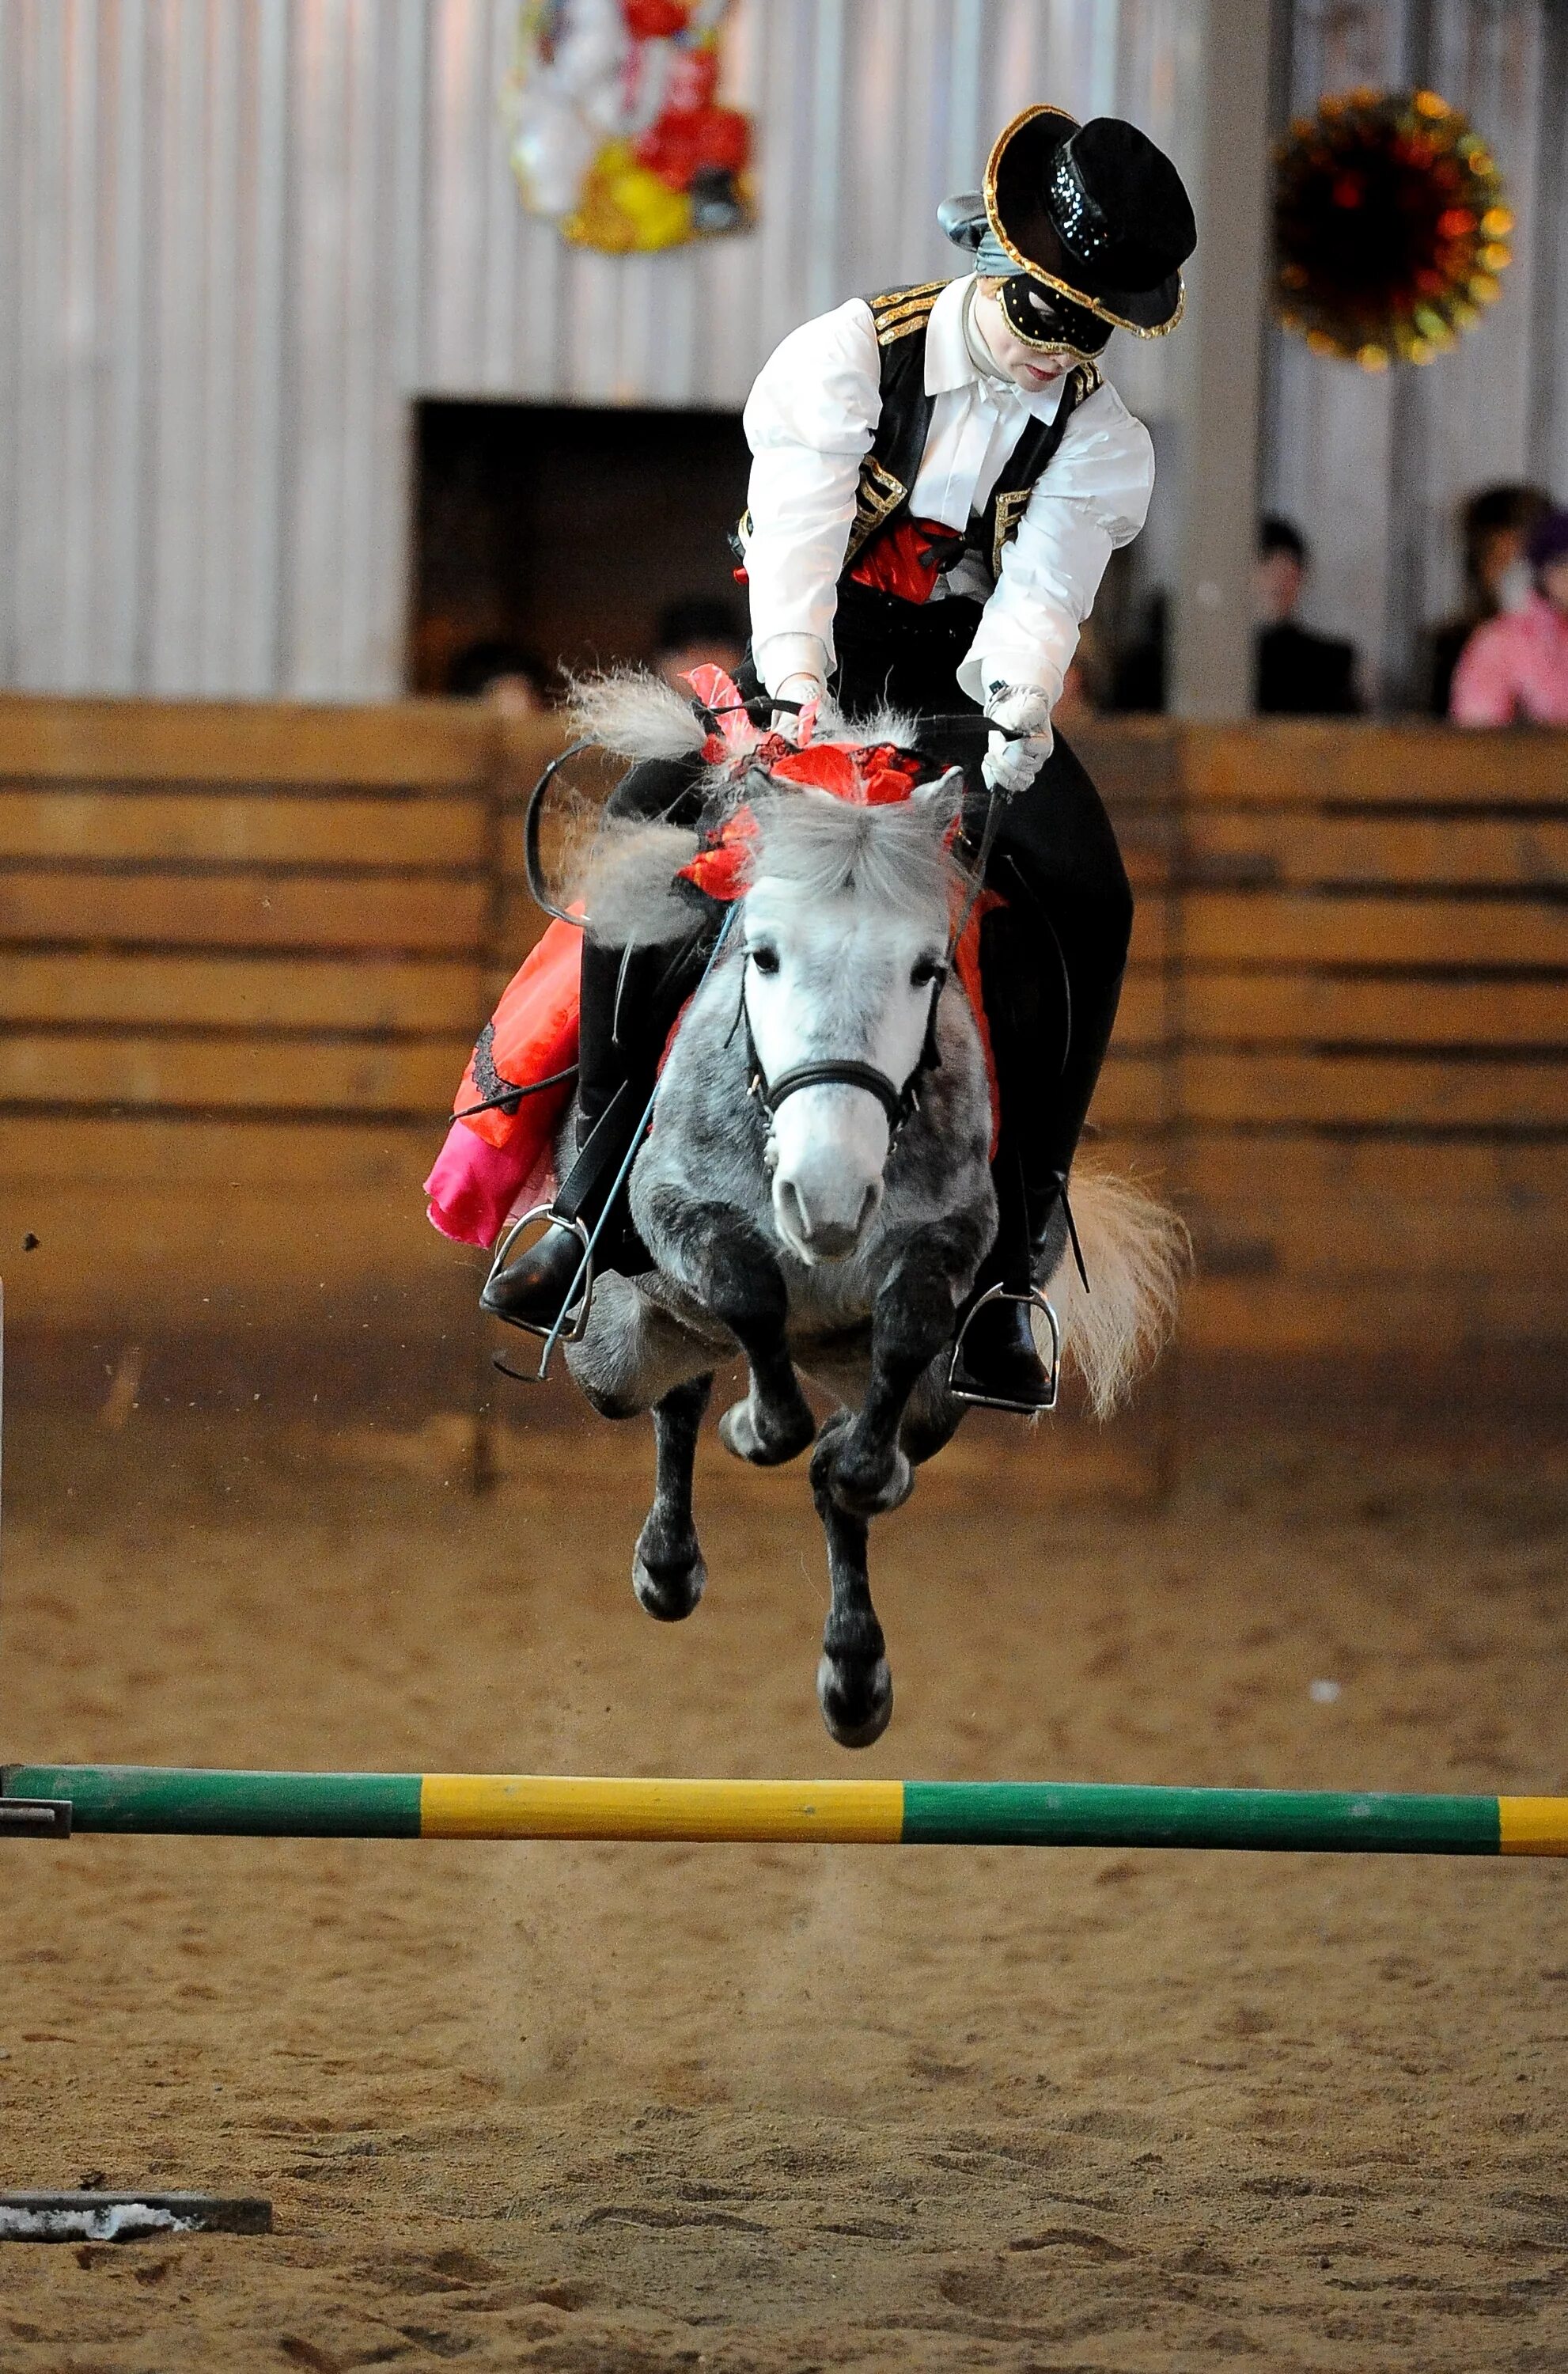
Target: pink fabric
[472,1189]
[1514,670]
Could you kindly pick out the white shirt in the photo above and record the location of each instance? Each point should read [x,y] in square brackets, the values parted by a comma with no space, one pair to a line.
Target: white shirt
[810,420]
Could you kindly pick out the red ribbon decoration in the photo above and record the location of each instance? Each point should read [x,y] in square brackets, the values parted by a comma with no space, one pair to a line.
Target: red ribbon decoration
[721,865]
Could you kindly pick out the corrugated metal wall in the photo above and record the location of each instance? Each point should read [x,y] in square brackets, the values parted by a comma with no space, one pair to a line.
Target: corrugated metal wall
[1372,468]
[238,236]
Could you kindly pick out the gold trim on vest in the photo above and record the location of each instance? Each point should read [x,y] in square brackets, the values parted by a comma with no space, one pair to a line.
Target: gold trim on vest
[1010,509]
[1011,506]
[905,309]
[878,495]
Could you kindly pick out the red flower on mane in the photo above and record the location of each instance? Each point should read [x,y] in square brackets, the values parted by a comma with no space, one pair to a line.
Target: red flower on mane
[720,867]
[872,777]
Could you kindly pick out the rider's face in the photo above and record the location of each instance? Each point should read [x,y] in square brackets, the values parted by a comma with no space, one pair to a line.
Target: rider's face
[1030,367]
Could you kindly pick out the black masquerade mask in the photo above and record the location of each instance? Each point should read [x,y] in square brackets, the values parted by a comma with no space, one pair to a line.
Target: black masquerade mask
[1088,226]
[1044,318]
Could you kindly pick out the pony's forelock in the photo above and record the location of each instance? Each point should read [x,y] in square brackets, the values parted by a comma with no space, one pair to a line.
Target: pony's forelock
[818,846]
[896,853]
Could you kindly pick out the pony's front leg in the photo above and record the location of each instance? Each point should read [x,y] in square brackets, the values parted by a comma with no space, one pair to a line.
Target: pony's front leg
[668,1573]
[729,1266]
[912,1323]
[854,1686]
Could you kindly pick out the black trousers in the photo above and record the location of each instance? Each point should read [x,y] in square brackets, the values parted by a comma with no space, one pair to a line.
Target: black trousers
[1052,957]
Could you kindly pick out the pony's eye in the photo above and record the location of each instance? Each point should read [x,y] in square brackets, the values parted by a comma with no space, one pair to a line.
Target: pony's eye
[928,969]
[764,958]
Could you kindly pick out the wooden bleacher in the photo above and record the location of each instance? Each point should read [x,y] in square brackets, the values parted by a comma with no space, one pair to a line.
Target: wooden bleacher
[244,950]
[1363,1015]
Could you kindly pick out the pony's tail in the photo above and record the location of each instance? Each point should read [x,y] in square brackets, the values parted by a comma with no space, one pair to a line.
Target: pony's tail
[1135,1252]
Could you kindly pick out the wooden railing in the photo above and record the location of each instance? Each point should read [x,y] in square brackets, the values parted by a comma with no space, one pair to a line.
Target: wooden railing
[243,953]
[1356,992]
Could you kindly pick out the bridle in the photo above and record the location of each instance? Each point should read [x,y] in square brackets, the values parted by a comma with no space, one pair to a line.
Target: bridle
[900,1104]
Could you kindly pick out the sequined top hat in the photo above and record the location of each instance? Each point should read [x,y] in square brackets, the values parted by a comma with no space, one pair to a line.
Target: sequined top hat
[1087,226]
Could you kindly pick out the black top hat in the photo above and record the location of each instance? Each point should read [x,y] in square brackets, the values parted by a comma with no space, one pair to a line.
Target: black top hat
[1093,211]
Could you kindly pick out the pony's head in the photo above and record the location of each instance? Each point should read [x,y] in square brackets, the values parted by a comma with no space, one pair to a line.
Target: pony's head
[840,851]
[846,925]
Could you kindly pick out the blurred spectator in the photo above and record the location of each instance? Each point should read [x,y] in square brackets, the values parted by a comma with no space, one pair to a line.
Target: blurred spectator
[1514,670]
[1298,674]
[697,632]
[514,681]
[1494,525]
[1138,678]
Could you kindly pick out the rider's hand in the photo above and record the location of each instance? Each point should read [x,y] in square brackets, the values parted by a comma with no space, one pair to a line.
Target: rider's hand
[1011,766]
[804,689]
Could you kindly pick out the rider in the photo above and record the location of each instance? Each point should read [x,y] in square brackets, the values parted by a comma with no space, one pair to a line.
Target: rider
[941,474]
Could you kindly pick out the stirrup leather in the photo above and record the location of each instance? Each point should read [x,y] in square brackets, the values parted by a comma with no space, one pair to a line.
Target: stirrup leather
[560,1329]
[1033,1300]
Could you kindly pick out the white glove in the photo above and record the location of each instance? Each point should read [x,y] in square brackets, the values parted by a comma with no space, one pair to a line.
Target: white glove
[1012,766]
[805,688]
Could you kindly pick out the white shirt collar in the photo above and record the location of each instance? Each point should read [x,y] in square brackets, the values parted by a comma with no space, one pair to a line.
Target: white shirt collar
[949,365]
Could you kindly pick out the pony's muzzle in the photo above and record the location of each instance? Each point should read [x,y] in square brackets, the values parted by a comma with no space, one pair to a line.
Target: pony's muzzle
[833,1145]
[814,1229]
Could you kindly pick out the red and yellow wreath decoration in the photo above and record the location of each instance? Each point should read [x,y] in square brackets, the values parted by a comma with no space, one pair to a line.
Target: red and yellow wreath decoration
[1390,228]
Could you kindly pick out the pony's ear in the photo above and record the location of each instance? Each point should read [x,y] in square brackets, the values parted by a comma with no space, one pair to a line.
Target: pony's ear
[945,798]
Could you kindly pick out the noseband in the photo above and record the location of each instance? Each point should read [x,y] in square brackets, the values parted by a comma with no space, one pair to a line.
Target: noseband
[898,1103]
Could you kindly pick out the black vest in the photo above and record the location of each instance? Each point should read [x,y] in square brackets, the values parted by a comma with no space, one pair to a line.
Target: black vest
[889,470]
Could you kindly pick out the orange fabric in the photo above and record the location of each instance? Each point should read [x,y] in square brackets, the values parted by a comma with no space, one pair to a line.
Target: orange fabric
[534,1033]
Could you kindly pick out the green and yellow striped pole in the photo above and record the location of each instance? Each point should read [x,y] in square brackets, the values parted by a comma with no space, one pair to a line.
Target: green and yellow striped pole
[149,1799]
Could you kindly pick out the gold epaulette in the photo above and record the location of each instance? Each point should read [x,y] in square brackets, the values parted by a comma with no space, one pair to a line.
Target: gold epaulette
[900,310]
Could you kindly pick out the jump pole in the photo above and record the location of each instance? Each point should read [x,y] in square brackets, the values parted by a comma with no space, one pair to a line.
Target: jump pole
[152,1800]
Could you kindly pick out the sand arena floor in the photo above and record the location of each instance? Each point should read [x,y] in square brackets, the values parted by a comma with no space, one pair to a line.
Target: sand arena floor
[607,2110]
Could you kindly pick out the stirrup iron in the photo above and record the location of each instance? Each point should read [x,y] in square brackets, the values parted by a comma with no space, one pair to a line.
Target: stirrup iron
[1033,1300]
[563,1330]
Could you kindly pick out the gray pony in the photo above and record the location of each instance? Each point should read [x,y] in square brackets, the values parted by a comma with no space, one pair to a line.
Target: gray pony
[814,1188]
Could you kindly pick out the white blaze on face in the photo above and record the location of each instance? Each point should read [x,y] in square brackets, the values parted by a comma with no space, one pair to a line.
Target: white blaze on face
[832,981]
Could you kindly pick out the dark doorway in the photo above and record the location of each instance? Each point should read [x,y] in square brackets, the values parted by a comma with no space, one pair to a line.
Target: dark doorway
[566,529]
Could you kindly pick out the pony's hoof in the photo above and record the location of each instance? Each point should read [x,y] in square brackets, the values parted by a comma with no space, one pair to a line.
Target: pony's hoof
[867,1488]
[669,1588]
[738,1433]
[855,1701]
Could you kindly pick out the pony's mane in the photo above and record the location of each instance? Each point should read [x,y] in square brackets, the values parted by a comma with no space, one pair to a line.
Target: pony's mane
[817,846]
[636,715]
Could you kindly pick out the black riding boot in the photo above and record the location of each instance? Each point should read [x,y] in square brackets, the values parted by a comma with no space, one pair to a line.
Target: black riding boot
[630,998]
[1036,1008]
[995,1360]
